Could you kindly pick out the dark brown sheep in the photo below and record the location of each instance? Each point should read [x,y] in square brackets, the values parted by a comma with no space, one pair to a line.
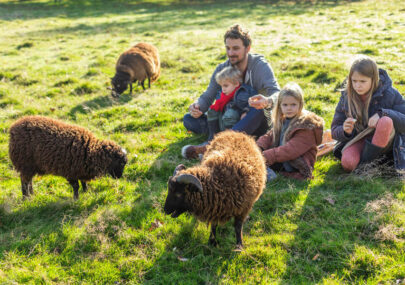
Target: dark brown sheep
[40,145]
[229,180]
[139,63]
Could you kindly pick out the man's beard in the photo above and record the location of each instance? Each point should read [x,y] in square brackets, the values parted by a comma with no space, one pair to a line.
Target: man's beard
[237,62]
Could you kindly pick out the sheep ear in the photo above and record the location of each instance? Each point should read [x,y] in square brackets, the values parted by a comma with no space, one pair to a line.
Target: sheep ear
[190,179]
[178,168]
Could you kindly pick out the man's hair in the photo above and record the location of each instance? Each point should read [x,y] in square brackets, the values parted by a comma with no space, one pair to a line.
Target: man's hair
[229,73]
[237,32]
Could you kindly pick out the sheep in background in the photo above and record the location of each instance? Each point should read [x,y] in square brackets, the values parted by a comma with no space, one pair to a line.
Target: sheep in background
[40,145]
[229,180]
[139,63]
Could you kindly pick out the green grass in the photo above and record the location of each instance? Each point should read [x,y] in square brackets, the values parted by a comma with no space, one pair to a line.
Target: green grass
[56,60]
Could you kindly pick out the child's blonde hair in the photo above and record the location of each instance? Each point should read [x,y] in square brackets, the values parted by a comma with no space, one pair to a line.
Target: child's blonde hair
[357,109]
[290,89]
[229,73]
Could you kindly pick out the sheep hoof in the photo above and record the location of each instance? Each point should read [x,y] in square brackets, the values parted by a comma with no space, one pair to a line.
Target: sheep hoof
[238,248]
[213,242]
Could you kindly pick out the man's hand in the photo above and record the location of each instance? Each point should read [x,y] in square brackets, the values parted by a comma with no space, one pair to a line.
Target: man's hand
[372,122]
[243,115]
[260,102]
[194,110]
[348,125]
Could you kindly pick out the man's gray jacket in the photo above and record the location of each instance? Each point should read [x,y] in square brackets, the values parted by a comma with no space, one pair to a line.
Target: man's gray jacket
[259,75]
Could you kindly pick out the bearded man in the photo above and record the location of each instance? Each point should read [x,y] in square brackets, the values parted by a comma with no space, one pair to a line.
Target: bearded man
[256,72]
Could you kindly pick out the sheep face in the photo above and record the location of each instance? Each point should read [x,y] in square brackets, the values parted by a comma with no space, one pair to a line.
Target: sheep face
[120,86]
[120,82]
[116,168]
[176,203]
[179,186]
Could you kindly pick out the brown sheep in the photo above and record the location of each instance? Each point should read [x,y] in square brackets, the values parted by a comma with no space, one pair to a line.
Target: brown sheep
[139,63]
[229,180]
[41,145]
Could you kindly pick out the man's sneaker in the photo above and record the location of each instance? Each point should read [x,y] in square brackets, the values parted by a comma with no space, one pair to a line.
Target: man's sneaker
[193,151]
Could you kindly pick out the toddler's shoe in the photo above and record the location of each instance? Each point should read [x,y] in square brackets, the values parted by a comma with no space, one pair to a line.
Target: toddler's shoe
[193,151]
[271,175]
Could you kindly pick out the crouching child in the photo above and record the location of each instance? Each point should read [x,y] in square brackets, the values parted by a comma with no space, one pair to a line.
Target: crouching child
[232,102]
[290,146]
[231,105]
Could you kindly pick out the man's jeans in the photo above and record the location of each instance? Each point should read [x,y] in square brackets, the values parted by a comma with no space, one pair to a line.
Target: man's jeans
[254,123]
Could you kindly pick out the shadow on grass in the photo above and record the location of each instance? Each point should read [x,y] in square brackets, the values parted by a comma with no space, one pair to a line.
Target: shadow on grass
[187,257]
[22,230]
[159,16]
[100,102]
[334,221]
[169,267]
[86,8]
[154,187]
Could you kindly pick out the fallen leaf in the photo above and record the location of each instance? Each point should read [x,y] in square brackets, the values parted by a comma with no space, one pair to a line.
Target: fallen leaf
[182,258]
[156,224]
[330,200]
[315,257]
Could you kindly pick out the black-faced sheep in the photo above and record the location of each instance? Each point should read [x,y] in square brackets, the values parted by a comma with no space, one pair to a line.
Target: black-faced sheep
[136,64]
[229,180]
[40,145]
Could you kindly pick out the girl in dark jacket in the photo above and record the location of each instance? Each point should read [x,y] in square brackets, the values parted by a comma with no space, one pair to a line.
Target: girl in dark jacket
[369,104]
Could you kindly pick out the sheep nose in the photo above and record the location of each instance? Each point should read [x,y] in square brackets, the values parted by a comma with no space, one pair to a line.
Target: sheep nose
[114,93]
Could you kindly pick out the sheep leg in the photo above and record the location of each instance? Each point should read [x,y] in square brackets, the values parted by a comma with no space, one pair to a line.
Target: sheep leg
[238,232]
[84,185]
[149,82]
[143,85]
[26,185]
[130,88]
[30,189]
[213,239]
[75,185]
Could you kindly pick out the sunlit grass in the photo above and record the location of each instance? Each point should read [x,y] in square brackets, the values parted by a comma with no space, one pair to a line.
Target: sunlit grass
[57,59]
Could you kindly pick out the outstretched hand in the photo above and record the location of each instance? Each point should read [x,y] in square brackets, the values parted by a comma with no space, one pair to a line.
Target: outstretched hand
[194,110]
[260,102]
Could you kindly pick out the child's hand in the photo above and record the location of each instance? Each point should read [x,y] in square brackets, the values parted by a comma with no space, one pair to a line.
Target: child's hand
[372,122]
[242,116]
[348,125]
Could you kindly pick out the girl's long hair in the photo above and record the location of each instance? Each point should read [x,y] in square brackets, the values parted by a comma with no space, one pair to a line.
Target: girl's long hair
[291,89]
[357,109]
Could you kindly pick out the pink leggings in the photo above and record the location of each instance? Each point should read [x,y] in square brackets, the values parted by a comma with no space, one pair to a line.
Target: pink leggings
[351,155]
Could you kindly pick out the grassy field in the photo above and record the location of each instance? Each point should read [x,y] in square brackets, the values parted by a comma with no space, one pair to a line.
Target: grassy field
[56,60]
